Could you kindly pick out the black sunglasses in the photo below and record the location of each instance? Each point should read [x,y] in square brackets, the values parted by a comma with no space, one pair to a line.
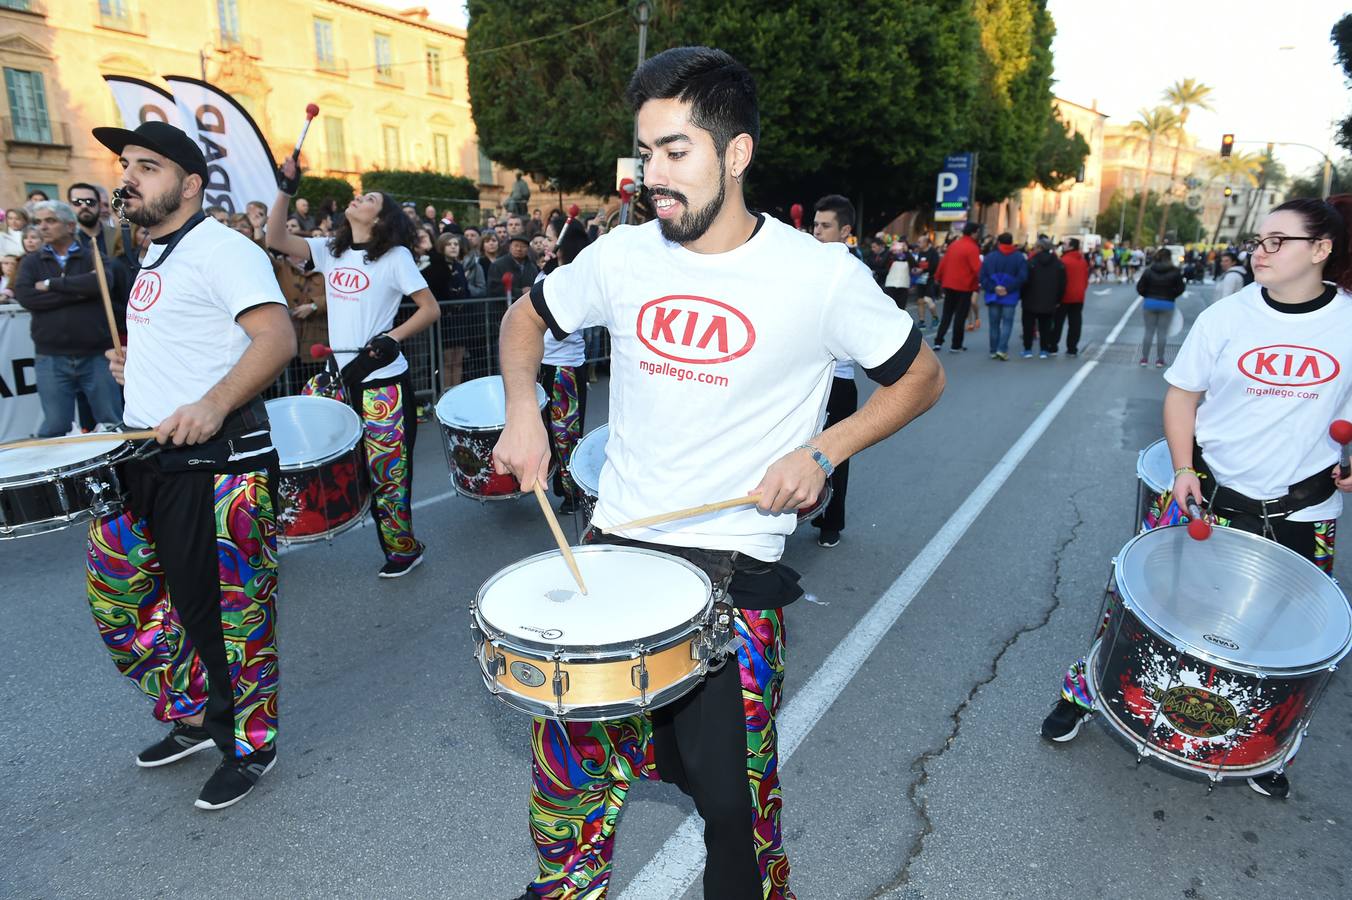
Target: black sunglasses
[84,201]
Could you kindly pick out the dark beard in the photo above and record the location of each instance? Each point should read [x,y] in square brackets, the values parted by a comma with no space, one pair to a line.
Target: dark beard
[87,217]
[691,226]
[153,212]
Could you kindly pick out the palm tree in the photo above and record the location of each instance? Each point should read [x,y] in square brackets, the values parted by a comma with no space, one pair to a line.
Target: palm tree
[1185,95]
[1149,127]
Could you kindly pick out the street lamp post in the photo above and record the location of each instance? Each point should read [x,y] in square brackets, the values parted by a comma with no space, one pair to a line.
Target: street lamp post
[642,11]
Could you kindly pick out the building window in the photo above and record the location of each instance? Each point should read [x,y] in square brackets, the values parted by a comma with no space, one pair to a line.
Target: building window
[434,68]
[335,146]
[324,55]
[390,133]
[1230,220]
[485,167]
[227,14]
[20,5]
[384,56]
[114,9]
[441,153]
[28,106]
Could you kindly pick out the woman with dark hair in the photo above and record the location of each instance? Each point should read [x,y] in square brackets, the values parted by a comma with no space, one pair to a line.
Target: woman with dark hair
[446,278]
[1249,440]
[369,268]
[1160,285]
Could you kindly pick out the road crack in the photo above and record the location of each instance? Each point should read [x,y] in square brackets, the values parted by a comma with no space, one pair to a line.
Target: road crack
[920,766]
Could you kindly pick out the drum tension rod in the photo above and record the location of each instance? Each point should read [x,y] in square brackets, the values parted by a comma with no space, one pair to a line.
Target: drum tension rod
[560,683]
[638,675]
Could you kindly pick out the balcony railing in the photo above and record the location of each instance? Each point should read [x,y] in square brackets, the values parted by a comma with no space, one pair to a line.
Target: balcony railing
[42,134]
[389,77]
[331,66]
[226,40]
[130,22]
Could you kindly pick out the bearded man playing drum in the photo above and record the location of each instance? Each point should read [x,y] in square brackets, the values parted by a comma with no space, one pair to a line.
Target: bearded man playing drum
[726,329]
[1274,364]
[183,583]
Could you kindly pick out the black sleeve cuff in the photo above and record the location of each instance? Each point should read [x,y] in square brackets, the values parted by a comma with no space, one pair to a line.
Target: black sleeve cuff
[890,372]
[537,300]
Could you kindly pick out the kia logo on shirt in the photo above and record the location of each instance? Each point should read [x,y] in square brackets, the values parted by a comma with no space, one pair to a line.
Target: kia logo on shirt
[349,281]
[694,330]
[145,291]
[1289,365]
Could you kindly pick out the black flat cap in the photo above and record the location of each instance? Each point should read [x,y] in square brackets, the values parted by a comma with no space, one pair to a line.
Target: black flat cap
[162,138]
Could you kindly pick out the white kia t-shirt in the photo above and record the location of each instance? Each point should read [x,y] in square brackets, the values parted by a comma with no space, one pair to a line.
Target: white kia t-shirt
[720,365]
[571,351]
[364,297]
[1274,382]
[182,337]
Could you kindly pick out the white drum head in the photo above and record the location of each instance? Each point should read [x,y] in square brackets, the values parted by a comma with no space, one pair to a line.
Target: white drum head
[308,431]
[1155,467]
[633,594]
[26,463]
[588,457]
[479,405]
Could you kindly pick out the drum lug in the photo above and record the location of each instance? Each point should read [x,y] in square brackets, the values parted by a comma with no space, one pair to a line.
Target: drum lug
[638,676]
[560,685]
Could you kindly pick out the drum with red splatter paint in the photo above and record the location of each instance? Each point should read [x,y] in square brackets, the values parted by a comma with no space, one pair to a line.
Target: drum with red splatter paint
[472,416]
[1216,653]
[323,488]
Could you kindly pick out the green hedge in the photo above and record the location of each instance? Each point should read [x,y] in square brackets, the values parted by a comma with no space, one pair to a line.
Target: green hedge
[442,191]
[317,189]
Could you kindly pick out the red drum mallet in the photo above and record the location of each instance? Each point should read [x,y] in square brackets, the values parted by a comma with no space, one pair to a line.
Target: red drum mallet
[323,351]
[311,110]
[1199,529]
[796,213]
[507,280]
[1341,432]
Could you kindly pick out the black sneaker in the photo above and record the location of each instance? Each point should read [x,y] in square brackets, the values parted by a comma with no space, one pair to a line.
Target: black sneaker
[1064,721]
[182,740]
[1273,784]
[234,778]
[1072,353]
[828,538]
[399,569]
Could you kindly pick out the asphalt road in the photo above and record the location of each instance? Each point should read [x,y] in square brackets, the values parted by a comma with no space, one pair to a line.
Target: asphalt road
[915,771]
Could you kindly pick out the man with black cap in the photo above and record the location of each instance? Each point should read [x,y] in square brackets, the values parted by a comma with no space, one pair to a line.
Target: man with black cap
[515,262]
[183,583]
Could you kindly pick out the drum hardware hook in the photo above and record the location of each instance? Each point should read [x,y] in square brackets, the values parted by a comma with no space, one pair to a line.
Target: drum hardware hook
[638,676]
[560,684]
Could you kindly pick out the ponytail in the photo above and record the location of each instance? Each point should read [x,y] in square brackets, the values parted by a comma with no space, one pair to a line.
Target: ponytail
[1328,219]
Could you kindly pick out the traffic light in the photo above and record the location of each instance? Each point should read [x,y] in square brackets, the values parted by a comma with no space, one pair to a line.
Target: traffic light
[1227,144]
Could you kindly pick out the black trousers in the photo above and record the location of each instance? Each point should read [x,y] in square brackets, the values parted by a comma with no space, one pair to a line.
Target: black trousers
[1045,323]
[1074,314]
[842,402]
[898,295]
[956,306]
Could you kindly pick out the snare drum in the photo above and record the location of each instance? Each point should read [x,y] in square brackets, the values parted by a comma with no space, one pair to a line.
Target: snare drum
[1154,489]
[1215,653]
[640,639]
[47,488]
[323,488]
[585,466]
[472,416]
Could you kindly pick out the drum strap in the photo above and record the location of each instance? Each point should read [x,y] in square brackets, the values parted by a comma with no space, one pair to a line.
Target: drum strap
[1305,493]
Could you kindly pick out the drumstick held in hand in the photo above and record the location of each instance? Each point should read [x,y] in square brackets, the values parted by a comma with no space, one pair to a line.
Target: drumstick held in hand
[90,438]
[685,513]
[107,300]
[558,535]
[1199,529]
[1341,432]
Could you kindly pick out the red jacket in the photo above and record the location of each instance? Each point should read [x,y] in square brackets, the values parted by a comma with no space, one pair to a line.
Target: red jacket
[1077,276]
[960,267]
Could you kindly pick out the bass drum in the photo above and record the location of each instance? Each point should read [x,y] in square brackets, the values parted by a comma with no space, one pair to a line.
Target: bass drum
[1216,653]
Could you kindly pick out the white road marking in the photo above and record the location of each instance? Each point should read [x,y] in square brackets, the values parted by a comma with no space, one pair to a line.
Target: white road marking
[675,867]
[1102,292]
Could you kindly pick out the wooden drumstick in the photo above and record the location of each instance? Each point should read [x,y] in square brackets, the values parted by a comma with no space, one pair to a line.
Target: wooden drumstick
[558,535]
[90,438]
[685,513]
[107,300]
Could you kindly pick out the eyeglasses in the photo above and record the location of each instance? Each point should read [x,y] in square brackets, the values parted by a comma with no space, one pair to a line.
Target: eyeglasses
[1274,244]
[84,201]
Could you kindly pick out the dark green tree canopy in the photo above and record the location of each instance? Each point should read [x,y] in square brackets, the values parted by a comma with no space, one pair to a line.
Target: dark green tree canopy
[455,192]
[1061,155]
[1342,43]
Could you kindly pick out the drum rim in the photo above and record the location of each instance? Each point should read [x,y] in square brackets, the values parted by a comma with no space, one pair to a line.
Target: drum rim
[493,633]
[1140,468]
[1205,654]
[592,712]
[589,490]
[319,461]
[542,399]
[107,458]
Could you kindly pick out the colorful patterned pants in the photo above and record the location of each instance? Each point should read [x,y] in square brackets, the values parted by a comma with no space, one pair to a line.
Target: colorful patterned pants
[1312,540]
[389,459]
[728,762]
[184,597]
[567,408]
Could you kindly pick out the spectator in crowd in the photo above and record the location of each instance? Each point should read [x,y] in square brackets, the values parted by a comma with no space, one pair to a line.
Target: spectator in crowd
[500,230]
[878,259]
[536,225]
[489,251]
[219,214]
[472,235]
[1004,271]
[958,275]
[429,216]
[36,196]
[423,244]
[1071,308]
[476,270]
[32,240]
[1232,276]
[516,225]
[11,239]
[293,226]
[9,269]
[240,222]
[303,287]
[490,222]
[324,227]
[84,199]
[897,281]
[1160,285]
[302,214]
[446,280]
[448,224]
[1041,296]
[59,286]
[518,263]
[540,250]
[923,284]
[257,211]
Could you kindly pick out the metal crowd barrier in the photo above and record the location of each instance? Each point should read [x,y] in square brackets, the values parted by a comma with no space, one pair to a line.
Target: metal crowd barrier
[472,325]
